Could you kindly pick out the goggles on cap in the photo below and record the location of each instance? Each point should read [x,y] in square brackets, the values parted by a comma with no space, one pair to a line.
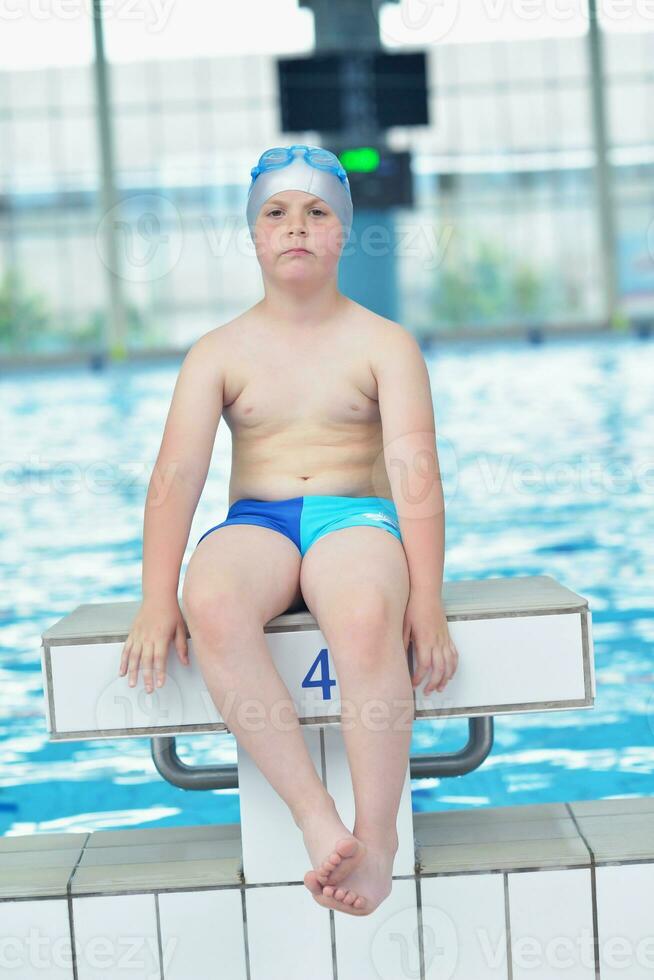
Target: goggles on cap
[315,156]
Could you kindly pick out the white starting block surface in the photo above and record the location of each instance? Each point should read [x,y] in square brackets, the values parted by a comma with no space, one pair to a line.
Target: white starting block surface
[525,644]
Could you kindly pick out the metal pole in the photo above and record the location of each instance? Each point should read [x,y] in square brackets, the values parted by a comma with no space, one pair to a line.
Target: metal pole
[163,749]
[115,333]
[352,24]
[603,174]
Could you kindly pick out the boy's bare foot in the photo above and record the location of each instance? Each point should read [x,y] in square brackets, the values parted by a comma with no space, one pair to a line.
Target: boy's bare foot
[364,889]
[322,829]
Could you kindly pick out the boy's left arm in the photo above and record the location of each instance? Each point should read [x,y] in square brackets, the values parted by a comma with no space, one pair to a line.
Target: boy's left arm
[411,460]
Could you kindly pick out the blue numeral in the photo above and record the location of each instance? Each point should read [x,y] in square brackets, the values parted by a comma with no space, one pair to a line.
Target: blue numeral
[325,681]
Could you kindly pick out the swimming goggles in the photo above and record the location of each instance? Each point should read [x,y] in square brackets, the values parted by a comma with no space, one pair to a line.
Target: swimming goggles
[315,156]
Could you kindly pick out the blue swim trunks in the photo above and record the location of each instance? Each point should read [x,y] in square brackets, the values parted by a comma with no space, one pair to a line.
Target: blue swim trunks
[305,519]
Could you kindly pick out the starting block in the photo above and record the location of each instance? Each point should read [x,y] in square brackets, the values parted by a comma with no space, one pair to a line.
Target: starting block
[525,644]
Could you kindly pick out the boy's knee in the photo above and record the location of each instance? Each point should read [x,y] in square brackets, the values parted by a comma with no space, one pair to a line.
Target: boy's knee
[216,610]
[366,614]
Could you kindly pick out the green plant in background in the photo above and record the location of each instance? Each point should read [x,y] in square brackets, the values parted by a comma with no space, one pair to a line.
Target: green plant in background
[454,289]
[620,321]
[527,291]
[28,323]
[24,314]
[492,287]
[140,332]
[453,296]
[487,288]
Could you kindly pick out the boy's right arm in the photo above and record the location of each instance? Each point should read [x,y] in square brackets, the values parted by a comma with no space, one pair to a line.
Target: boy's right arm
[177,481]
[181,468]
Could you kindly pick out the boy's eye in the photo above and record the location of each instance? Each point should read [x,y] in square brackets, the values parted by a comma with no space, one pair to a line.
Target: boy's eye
[278,211]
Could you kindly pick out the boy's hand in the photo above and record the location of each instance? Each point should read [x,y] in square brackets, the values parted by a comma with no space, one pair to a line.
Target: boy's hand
[156,624]
[425,624]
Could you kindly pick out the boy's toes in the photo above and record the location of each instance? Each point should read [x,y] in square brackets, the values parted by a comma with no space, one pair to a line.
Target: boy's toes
[358,907]
[312,882]
[322,875]
[347,856]
[344,895]
[327,867]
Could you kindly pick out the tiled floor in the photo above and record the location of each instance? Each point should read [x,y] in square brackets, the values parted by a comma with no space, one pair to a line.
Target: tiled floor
[490,881]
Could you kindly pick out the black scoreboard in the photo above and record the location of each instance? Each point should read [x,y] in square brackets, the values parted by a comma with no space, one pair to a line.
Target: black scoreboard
[342,92]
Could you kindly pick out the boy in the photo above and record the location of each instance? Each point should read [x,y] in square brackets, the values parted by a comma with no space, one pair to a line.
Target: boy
[323,510]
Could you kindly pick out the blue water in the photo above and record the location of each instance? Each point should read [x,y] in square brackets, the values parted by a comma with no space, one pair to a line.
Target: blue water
[548,455]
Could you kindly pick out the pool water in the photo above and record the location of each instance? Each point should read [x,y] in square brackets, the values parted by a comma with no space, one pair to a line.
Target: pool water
[548,457]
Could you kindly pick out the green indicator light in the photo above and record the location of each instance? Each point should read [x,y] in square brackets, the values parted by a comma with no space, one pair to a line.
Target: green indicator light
[363,159]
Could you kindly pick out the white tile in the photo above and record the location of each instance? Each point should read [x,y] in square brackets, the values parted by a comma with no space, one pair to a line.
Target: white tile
[273,845]
[504,855]
[35,940]
[339,783]
[625,921]
[607,825]
[622,845]
[59,857]
[120,878]
[460,831]
[384,944]
[43,842]
[616,806]
[551,925]
[190,948]
[490,814]
[116,936]
[536,658]
[289,936]
[226,832]
[464,927]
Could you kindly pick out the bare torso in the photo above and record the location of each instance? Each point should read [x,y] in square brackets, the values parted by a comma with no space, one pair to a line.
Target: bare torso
[302,408]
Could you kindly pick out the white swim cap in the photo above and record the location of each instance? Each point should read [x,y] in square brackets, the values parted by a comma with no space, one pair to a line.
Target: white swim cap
[300,174]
